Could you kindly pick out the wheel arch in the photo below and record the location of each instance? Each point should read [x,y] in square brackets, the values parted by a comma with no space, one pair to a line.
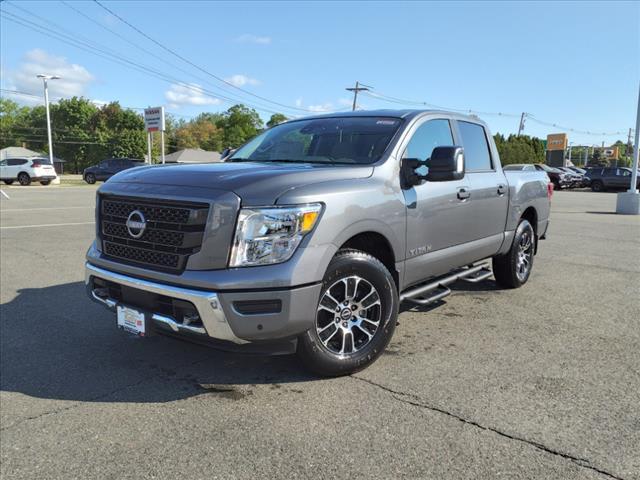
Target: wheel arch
[377,245]
[531,215]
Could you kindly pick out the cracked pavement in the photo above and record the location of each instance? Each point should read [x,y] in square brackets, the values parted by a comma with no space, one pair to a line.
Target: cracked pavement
[539,382]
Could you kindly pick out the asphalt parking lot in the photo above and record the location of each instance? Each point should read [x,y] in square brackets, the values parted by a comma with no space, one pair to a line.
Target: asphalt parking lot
[539,382]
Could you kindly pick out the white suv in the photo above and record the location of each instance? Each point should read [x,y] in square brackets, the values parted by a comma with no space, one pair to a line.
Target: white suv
[27,170]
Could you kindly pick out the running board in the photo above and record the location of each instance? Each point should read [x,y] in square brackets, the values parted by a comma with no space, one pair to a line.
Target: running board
[438,289]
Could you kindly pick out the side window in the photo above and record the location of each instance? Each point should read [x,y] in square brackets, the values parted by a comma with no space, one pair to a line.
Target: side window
[3,163]
[429,135]
[16,161]
[476,148]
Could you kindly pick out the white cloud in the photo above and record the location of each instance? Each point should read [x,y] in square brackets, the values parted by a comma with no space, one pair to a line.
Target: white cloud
[250,38]
[321,108]
[240,80]
[74,78]
[188,94]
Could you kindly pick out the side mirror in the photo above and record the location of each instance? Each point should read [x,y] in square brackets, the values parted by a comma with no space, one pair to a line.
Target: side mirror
[446,164]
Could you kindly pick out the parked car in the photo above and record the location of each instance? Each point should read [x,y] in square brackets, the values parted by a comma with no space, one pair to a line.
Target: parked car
[312,233]
[576,179]
[26,170]
[108,168]
[559,178]
[602,179]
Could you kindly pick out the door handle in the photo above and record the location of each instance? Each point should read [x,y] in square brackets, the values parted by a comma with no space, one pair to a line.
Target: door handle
[502,189]
[463,193]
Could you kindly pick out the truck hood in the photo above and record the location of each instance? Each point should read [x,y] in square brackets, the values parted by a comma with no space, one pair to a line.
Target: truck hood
[256,183]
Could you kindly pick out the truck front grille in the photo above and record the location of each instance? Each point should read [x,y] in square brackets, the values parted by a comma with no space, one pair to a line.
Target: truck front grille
[173,231]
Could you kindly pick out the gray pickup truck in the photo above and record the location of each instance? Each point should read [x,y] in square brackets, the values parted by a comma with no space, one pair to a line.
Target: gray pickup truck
[310,235]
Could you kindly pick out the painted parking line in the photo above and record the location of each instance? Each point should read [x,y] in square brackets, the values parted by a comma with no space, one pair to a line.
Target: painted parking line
[46,225]
[41,208]
[4,193]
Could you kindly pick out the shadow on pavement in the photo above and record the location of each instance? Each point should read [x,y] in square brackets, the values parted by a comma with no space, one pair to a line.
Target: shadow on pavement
[488,285]
[55,343]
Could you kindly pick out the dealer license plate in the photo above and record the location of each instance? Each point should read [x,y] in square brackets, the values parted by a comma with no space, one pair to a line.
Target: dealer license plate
[131,320]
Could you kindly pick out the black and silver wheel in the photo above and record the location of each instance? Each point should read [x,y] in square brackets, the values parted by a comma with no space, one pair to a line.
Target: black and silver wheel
[597,186]
[355,318]
[24,179]
[90,178]
[513,269]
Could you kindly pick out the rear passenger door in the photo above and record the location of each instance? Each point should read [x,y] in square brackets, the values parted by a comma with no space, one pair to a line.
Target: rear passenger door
[489,188]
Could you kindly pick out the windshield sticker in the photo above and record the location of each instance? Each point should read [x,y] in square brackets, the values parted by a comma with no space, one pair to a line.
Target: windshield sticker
[386,122]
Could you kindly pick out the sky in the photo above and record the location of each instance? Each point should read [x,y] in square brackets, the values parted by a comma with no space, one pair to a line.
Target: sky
[575,65]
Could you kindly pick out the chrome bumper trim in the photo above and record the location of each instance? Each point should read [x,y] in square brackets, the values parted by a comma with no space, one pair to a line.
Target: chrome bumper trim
[207,303]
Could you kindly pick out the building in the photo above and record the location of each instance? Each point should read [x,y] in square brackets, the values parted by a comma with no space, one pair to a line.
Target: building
[21,152]
[192,155]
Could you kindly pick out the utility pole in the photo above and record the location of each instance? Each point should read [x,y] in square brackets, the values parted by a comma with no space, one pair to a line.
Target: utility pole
[355,91]
[522,120]
[46,104]
[569,157]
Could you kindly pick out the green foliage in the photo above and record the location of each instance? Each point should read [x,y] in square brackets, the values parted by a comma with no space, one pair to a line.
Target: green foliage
[276,119]
[519,149]
[238,125]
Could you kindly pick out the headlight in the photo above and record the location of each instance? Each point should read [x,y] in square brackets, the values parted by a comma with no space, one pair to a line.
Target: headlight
[265,236]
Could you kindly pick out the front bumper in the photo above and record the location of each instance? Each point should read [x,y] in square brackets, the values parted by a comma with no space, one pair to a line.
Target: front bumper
[233,316]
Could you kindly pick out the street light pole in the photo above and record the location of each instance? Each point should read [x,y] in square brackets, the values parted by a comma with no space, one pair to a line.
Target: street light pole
[45,78]
[629,202]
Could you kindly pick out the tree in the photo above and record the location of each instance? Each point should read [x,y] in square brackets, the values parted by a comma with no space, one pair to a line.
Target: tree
[276,119]
[239,124]
[201,132]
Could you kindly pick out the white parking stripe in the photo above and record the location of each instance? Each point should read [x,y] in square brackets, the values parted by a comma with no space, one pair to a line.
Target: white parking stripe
[4,193]
[46,225]
[39,208]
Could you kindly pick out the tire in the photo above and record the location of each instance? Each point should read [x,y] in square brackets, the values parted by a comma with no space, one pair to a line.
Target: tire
[597,186]
[45,182]
[90,178]
[8,182]
[512,270]
[556,186]
[24,179]
[351,278]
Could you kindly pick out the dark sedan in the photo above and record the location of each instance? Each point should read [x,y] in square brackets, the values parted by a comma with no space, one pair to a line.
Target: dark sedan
[108,168]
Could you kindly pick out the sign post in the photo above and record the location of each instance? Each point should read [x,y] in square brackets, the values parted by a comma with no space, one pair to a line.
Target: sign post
[154,122]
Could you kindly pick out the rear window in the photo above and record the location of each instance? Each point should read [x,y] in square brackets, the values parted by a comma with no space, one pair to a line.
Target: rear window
[476,148]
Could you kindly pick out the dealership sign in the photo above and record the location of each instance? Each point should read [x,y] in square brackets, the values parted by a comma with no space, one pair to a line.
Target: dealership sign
[154,119]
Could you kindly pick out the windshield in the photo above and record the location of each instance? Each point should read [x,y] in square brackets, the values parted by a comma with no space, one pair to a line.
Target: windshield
[343,140]
[546,168]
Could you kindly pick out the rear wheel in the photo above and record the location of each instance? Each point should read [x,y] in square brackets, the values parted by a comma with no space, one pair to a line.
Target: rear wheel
[513,269]
[45,182]
[90,178]
[597,186]
[8,182]
[355,317]
[24,179]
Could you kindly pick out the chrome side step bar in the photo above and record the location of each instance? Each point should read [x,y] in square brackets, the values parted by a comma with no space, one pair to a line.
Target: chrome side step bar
[438,289]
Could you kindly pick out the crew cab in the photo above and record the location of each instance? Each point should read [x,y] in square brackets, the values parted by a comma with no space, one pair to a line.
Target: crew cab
[308,238]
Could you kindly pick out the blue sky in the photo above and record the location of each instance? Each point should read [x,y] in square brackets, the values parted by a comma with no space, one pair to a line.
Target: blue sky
[575,64]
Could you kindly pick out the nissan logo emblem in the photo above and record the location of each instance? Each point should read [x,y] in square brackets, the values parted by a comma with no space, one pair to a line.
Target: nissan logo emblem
[136,224]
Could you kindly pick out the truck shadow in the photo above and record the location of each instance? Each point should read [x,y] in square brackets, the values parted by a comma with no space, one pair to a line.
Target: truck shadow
[57,344]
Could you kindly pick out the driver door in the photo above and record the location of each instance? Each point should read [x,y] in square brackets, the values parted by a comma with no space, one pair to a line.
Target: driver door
[437,212]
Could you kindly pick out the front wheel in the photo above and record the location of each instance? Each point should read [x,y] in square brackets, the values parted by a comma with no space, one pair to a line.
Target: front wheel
[90,178]
[512,270]
[597,186]
[8,182]
[355,318]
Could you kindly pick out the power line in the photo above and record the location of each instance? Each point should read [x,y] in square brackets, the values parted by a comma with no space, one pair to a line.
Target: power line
[177,55]
[98,50]
[522,116]
[355,90]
